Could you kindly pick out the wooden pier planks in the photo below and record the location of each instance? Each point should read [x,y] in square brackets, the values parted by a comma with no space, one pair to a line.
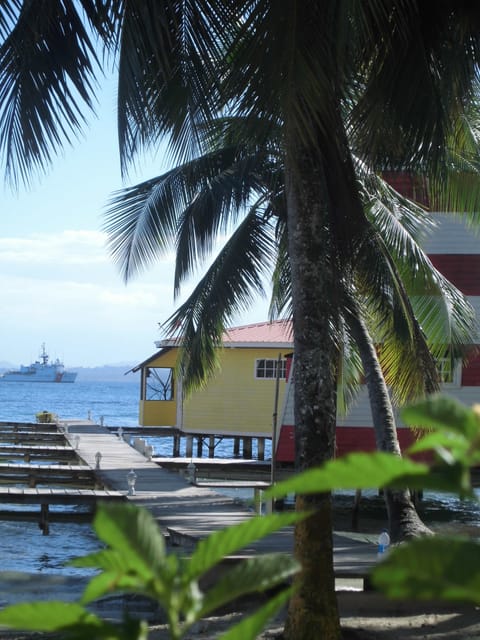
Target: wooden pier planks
[32,437]
[51,474]
[26,495]
[23,480]
[185,512]
[28,453]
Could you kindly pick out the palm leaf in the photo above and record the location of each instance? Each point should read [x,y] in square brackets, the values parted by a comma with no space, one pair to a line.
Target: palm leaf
[176,94]
[47,78]
[226,289]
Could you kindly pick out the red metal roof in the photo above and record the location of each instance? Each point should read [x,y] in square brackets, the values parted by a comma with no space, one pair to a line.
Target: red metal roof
[276,332]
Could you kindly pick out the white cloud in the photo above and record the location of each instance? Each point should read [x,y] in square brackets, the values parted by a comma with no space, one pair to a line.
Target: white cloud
[62,288]
[71,247]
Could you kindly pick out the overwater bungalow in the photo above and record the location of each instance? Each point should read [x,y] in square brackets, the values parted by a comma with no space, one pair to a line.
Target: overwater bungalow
[237,402]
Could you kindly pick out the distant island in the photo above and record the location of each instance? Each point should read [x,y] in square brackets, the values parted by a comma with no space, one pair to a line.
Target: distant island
[105,373]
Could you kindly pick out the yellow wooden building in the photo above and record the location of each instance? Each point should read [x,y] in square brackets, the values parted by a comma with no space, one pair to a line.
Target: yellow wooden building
[238,401]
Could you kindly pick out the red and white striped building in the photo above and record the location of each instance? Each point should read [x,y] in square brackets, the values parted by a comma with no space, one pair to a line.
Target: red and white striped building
[454,249]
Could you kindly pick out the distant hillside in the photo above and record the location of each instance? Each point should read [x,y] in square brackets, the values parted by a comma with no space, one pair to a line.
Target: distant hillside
[107,373]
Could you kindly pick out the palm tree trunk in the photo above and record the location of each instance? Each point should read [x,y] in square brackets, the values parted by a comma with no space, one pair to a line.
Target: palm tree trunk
[313,611]
[404,521]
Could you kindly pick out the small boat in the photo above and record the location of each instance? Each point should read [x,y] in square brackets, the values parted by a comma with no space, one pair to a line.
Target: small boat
[40,371]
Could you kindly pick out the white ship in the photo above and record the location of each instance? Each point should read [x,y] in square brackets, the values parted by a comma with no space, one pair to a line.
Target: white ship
[40,371]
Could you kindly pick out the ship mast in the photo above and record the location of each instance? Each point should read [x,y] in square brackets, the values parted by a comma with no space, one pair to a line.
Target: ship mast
[44,355]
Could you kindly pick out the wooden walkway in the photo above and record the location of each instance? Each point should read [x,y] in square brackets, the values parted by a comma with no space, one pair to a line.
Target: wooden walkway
[37,452]
[185,512]
[43,484]
[47,474]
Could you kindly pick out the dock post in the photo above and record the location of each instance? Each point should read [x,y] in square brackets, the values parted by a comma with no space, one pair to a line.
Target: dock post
[176,446]
[211,446]
[199,446]
[44,524]
[189,447]
[247,448]
[257,500]
[356,509]
[261,448]
[236,447]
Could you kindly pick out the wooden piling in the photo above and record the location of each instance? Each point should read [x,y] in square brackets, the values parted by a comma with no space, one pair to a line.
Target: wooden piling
[261,449]
[211,446]
[236,447]
[247,448]
[176,446]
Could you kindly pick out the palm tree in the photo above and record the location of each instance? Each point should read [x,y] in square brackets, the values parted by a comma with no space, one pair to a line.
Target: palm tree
[209,187]
[406,70]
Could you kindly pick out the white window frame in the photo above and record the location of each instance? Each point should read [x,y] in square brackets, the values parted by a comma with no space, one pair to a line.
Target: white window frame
[270,365]
[162,390]
[456,371]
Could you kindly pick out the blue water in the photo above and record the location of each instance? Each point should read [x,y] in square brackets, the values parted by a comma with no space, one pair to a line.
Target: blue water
[116,402]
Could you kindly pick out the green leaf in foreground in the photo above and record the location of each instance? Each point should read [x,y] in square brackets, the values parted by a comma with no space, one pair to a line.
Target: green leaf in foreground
[445,413]
[49,616]
[252,575]
[432,568]
[227,541]
[356,471]
[134,534]
[107,583]
[251,626]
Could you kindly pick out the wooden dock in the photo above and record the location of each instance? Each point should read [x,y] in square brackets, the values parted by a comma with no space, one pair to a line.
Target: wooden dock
[28,426]
[185,512]
[29,453]
[47,474]
[44,484]
[27,437]
[189,512]
[46,498]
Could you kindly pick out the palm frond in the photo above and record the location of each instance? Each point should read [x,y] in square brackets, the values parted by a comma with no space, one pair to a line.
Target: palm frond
[9,10]
[227,288]
[188,206]
[455,187]
[47,76]
[170,59]
[420,76]
[141,222]
[350,372]
[221,195]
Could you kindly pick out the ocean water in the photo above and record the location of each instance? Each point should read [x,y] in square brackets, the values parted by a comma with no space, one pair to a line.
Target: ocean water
[116,402]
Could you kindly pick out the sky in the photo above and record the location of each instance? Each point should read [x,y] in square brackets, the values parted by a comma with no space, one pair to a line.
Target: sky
[58,284]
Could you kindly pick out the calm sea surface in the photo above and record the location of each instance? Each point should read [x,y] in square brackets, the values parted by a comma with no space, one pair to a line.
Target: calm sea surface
[23,548]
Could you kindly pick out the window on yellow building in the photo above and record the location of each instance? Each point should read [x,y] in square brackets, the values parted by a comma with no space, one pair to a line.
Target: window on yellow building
[267,369]
[159,384]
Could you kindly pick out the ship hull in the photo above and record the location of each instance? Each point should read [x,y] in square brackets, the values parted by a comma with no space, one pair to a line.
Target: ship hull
[40,371]
[25,377]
